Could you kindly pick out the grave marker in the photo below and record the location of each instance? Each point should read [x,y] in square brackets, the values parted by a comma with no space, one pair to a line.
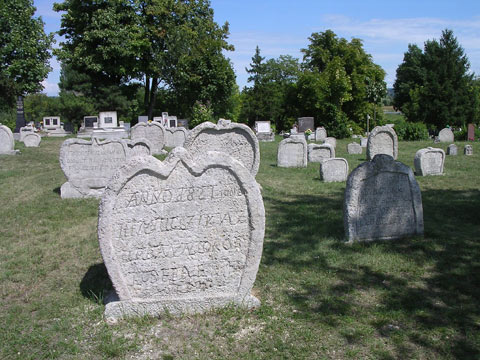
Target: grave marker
[7,143]
[32,139]
[471,132]
[354,148]
[382,201]
[320,134]
[319,152]
[175,136]
[181,236]
[292,152]
[429,161]
[333,170]
[446,135]
[154,132]
[382,140]
[305,123]
[452,149]
[468,150]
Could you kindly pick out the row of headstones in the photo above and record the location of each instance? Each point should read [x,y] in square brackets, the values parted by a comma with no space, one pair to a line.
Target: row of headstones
[7,141]
[182,235]
[89,165]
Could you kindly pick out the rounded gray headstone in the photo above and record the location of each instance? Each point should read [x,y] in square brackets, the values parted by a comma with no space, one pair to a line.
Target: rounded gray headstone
[181,236]
[153,132]
[354,148]
[236,140]
[292,152]
[333,170]
[175,137]
[446,135]
[429,161]
[7,141]
[452,149]
[382,140]
[331,140]
[320,134]
[32,140]
[382,201]
[319,152]
[468,150]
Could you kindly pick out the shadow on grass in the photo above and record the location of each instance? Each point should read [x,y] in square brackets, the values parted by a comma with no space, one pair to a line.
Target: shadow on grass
[57,190]
[436,302]
[96,283]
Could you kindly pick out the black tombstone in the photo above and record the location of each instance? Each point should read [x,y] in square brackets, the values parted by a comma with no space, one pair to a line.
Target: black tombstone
[20,115]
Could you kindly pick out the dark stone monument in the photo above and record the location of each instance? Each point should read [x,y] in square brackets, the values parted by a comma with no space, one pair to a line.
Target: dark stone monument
[20,115]
[68,127]
[471,132]
[89,120]
[305,123]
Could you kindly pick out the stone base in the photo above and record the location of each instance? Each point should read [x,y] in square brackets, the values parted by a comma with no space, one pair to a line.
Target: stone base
[67,191]
[118,310]
[12,152]
[266,137]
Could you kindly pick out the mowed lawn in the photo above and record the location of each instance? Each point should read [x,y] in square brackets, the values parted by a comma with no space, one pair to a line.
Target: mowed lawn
[321,298]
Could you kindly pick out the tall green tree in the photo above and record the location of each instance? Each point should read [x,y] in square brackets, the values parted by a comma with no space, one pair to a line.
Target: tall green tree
[435,86]
[24,50]
[164,43]
[340,73]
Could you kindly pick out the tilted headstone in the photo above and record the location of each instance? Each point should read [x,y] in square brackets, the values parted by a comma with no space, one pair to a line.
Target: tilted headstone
[446,135]
[181,236]
[452,149]
[471,132]
[292,152]
[382,201]
[32,140]
[429,161]
[154,132]
[236,140]
[89,165]
[334,170]
[305,123]
[320,134]
[175,136]
[319,152]
[354,148]
[7,143]
[382,140]
[468,150]
[331,140]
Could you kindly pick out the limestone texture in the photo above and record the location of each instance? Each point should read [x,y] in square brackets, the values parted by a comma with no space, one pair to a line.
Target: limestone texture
[319,152]
[175,137]
[292,152]
[7,143]
[153,132]
[446,135]
[382,140]
[354,148]
[32,140]
[429,161]
[452,149]
[334,170]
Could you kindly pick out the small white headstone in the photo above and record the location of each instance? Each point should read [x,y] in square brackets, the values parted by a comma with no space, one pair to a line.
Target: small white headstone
[107,119]
[319,152]
[382,140]
[452,149]
[181,236]
[429,161]
[320,134]
[363,142]
[32,140]
[292,152]
[382,201]
[263,127]
[468,150]
[446,135]
[26,130]
[354,148]
[334,170]
[154,132]
[7,143]
[237,140]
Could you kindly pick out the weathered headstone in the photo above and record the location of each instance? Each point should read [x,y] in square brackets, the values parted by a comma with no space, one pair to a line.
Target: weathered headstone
[153,132]
[264,132]
[7,143]
[175,137]
[237,140]
[471,132]
[382,201]
[32,140]
[181,236]
[89,165]
[446,135]
[305,123]
[429,161]
[292,152]
[452,149]
[139,147]
[320,134]
[319,152]
[363,142]
[382,140]
[331,140]
[468,150]
[333,170]
[354,148]
[24,130]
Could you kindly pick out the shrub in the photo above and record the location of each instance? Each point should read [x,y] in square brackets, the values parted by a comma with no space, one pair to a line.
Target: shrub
[411,131]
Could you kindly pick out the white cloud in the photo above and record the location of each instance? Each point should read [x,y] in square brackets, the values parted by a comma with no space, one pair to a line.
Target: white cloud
[51,89]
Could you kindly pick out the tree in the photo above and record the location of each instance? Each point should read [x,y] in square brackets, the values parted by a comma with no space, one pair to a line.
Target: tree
[435,86]
[164,43]
[24,50]
[343,71]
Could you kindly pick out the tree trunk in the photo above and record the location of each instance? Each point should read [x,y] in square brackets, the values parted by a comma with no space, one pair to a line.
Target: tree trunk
[153,98]
[146,97]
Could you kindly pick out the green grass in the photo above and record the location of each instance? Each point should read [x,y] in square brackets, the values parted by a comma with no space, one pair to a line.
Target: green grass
[321,298]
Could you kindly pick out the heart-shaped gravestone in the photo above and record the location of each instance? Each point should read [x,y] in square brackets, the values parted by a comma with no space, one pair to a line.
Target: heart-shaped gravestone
[184,235]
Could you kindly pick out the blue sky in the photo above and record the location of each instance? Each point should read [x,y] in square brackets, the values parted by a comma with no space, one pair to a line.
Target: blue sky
[282,27]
